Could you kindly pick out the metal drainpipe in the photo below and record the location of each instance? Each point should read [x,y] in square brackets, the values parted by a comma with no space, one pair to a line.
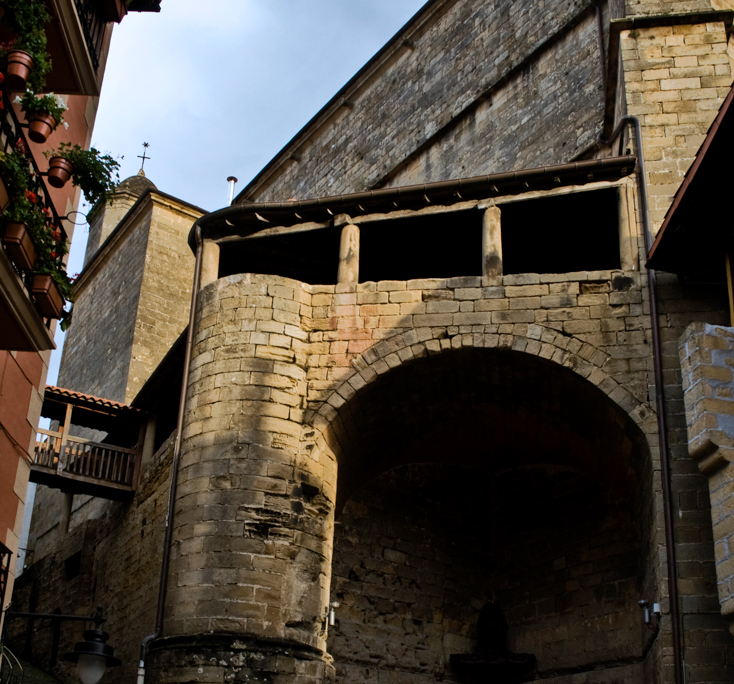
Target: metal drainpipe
[659,397]
[163,585]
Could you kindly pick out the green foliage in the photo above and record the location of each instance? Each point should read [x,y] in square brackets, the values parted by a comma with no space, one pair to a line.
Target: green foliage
[27,20]
[31,104]
[27,207]
[95,173]
[15,170]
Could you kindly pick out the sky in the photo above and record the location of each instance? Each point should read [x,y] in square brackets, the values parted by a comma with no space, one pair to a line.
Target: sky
[218,91]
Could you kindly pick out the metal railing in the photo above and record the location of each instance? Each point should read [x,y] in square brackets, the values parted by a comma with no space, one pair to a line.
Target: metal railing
[11,133]
[75,456]
[11,669]
[11,139]
[93,26]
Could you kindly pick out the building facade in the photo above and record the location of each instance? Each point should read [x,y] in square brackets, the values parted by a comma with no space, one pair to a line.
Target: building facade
[426,369]
[78,36]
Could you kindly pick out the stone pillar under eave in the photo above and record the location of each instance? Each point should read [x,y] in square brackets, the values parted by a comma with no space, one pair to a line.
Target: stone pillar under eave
[253,530]
[707,366]
[349,256]
[492,268]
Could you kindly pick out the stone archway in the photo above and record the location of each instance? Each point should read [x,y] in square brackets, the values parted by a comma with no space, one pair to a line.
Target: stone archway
[508,424]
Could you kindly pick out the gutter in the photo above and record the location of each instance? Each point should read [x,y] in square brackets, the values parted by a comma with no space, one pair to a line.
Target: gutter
[512,182]
[659,398]
[166,561]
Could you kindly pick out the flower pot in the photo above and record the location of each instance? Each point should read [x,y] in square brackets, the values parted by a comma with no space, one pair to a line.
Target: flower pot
[17,70]
[59,171]
[19,245]
[46,293]
[113,10]
[40,126]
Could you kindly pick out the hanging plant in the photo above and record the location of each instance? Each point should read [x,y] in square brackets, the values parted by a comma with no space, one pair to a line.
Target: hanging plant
[43,113]
[96,174]
[27,21]
[27,207]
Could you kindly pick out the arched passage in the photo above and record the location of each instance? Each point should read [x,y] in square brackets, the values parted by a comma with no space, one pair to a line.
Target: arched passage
[488,473]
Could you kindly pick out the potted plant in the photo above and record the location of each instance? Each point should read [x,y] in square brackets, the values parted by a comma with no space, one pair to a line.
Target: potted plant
[47,295]
[23,217]
[25,56]
[95,173]
[43,113]
[51,285]
[24,231]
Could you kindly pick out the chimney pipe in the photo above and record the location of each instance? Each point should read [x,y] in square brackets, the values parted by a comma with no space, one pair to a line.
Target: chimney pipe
[231,180]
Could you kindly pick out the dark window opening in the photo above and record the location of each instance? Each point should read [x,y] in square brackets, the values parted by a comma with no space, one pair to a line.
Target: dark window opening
[310,256]
[73,566]
[432,246]
[562,234]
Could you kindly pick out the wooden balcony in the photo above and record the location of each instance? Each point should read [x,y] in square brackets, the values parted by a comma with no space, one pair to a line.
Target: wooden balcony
[107,468]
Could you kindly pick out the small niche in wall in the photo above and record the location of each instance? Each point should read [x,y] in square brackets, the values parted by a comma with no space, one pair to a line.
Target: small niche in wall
[561,234]
[442,245]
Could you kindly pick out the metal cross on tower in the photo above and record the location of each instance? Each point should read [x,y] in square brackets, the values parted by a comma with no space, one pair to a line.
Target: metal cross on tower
[143,156]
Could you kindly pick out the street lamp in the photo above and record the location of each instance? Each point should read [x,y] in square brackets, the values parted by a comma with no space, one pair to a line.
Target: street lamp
[92,656]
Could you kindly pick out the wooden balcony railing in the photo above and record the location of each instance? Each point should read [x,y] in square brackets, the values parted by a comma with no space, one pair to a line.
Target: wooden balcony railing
[102,463]
[82,466]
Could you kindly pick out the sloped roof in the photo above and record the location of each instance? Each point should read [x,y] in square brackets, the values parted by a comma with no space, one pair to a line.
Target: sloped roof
[87,400]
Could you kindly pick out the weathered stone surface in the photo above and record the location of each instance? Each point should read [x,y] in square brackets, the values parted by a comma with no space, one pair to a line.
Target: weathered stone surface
[403,411]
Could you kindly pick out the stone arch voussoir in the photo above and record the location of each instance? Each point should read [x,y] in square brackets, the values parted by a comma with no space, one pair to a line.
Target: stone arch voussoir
[567,351]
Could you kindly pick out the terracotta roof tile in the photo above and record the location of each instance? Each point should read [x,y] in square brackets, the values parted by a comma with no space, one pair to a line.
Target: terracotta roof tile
[88,399]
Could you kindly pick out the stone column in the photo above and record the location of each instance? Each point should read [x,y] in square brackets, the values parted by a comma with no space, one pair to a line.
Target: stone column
[492,245]
[707,359]
[253,530]
[209,262]
[349,255]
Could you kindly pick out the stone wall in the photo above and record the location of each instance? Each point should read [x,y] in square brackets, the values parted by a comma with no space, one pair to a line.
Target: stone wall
[535,116]
[420,550]
[96,356]
[134,299]
[676,78]
[651,7]
[281,383]
[165,295]
[484,73]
